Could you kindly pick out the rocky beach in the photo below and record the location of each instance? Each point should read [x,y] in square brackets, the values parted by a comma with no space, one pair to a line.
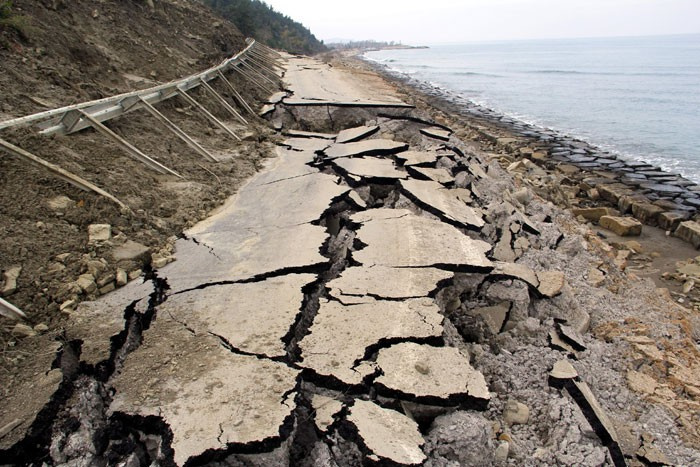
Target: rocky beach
[400,278]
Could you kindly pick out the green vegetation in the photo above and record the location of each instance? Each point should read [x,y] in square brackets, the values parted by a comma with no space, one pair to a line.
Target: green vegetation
[257,19]
[11,21]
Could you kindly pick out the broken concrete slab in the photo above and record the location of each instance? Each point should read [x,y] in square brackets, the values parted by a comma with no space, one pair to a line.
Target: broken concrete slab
[437,133]
[564,376]
[551,283]
[325,409]
[242,240]
[341,335]
[276,98]
[238,255]
[623,226]
[516,271]
[571,336]
[99,323]
[410,158]
[351,135]
[357,199]
[562,371]
[369,167]
[266,109]
[308,134]
[288,164]
[599,420]
[235,312]
[556,342]
[503,251]
[307,144]
[494,316]
[398,238]
[289,202]
[442,202]
[439,174]
[209,397]
[390,435]
[387,282]
[372,147]
[430,375]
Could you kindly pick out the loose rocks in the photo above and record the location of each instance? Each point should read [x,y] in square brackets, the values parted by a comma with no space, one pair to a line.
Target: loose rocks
[387,433]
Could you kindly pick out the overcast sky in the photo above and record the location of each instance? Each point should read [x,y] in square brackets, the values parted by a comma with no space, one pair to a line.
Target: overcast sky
[441,21]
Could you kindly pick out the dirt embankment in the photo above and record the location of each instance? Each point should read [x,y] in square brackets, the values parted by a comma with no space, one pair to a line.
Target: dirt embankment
[74,51]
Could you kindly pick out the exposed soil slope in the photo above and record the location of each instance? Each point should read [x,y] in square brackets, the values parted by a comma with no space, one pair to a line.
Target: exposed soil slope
[76,51]
[83,50]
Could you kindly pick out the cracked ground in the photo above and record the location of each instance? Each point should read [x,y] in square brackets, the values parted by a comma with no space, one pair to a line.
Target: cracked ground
[369,297]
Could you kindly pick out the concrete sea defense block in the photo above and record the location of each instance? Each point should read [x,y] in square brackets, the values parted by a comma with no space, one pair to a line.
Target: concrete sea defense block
[623,226]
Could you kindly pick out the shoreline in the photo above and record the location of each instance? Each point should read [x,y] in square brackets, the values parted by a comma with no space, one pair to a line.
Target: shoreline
[648,193]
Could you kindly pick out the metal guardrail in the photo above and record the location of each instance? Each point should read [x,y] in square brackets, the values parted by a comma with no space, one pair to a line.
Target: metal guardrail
[52,121]
[256,63]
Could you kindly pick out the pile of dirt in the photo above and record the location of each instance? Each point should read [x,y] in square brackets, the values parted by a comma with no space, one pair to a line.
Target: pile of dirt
[74,51]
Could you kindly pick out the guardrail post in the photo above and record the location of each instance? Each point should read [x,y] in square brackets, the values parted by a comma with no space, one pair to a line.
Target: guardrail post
[170,125]
[58,172]
[257,73]
[235,93]
[223,102]
[263,66]
[253,80]
[190,100]
[127,147]
[267,59]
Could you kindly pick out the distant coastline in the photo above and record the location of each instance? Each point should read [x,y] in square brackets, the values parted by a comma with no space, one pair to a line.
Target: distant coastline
[372,46]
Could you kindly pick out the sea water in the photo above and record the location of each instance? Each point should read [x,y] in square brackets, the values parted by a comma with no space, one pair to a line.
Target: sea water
[638,97]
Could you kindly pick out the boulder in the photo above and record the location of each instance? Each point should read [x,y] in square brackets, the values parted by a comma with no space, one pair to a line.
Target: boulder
[646,212]
[61,203]
[131,251]
[690,232]
[613,192]
[624,204]
[10,284]
[99,232]
[592,214]
[516,413]
[23,330]
[121,277]
[86,282]
[622,226]
[551,283]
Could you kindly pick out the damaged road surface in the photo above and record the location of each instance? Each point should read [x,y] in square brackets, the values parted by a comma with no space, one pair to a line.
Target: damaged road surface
[352,304]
